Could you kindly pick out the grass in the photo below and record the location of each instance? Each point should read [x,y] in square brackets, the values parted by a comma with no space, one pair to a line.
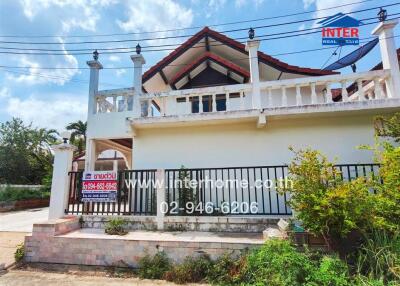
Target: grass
[13,194]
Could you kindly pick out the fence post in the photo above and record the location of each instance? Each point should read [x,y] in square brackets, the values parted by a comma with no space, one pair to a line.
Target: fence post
[63,154]
[160,189]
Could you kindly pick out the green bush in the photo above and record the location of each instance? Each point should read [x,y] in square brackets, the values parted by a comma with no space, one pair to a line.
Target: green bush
[325,204]
[154,267]
[367,281]
[277,263]
[331,272]
[388,189]
[13,194]
[227,270]
[116,226]
[19,252]
[379,257]
[191,270]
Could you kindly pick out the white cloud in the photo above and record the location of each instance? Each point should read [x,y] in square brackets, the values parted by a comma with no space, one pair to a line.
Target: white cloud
[213,6]
[54,112]
[155,15]
[4,93]
[120,72]
[114,58]
[67,65]
[242,3]
[82,14]
[323,4]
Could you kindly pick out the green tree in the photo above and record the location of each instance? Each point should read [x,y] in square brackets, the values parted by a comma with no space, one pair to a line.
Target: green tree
[25,156]
[388,126]
[388,184]
[78,134]
[324,203]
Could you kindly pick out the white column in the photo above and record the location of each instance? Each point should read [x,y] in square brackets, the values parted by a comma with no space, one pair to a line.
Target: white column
[389,55]
[252,48]
[95,66]
[160,189]
[115,162]
[138,62]
[63,154]
[90,154]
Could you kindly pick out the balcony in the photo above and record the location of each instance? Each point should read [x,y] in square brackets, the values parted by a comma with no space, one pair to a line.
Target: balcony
[324,94]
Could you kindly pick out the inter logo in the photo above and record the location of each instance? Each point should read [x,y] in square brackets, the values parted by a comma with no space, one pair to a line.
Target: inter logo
[340,30]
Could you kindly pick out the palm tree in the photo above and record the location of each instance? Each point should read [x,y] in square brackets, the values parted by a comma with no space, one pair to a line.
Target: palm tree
[78,134]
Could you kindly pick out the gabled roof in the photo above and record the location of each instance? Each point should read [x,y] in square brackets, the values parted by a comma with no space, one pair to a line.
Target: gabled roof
[208,33]
[208,56]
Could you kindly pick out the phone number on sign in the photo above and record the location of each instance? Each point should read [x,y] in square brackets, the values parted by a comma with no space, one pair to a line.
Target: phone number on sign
[209,208]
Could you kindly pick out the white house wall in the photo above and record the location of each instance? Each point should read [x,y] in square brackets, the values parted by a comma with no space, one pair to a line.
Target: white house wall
[245,145]
[111,125]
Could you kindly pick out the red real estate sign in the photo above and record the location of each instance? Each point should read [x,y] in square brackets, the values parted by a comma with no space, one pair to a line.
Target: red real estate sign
[99,186]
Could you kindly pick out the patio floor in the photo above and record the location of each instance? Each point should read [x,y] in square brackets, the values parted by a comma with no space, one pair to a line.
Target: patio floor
[171,236]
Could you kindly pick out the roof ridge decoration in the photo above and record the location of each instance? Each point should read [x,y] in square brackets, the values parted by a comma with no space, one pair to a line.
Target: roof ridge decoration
[206,31]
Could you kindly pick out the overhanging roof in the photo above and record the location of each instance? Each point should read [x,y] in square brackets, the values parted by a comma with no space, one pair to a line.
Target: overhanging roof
[206,34]
[207,58]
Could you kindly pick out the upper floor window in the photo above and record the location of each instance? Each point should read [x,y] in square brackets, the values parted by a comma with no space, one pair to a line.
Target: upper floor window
[207,100]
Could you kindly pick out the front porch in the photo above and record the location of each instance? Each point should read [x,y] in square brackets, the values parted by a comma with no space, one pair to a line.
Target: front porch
[63,241]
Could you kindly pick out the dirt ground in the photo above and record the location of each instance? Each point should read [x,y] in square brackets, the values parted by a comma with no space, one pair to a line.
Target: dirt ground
[42,274]
[8,243]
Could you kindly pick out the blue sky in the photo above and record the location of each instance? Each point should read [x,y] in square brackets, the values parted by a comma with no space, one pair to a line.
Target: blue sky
[52,98]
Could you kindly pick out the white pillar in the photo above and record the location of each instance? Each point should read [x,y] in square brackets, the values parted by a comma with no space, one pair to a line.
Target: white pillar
[389,55]
[252,48]
[115,162]
[63,154]
[160,189]
[95,66]
[138,62]
[90,155]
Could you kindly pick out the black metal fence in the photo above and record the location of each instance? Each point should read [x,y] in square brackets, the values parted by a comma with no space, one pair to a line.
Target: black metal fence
[202,191]
[136,195]
[239,190]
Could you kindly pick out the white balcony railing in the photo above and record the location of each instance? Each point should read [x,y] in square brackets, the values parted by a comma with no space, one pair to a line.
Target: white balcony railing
[274,94]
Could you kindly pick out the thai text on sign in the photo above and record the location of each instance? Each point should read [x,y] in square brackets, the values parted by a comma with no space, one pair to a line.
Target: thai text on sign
[99,186]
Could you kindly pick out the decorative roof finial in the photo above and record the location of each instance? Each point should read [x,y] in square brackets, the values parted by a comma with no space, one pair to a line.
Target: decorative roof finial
[95,55]
[382,15]
[138,49]
[251,33]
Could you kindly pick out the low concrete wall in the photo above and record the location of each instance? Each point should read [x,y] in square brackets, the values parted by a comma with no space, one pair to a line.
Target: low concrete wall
[24,204]
[48,244]
[29,187]
[188,223]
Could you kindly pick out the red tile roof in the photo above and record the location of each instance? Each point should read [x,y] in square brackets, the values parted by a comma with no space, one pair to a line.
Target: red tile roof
[235,45]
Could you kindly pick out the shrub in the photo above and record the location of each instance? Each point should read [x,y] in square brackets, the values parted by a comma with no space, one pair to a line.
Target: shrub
[277,263]
[19,252]
[388,127]
[379,257]
[192,270]
[227,270]
[154,267]
[13,194]
[331,272]
[116,226]
[323,202]
[388,189]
